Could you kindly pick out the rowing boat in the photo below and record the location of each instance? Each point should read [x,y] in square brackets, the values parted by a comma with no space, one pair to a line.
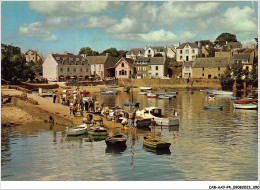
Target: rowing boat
[155,143]
[116,141]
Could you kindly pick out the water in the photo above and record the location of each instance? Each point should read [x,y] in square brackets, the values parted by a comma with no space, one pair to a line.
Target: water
[208,145]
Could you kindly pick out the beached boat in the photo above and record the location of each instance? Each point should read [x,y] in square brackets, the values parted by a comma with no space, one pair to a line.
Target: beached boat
[156,114]
[136,104]
[155,143]
[116,141]
[164,97]
[97,131]
[151,95]
[142,93]
[143,123]
[212,107]
[78,130]
[245,106]
[160,93]
[145,88]
[107,93]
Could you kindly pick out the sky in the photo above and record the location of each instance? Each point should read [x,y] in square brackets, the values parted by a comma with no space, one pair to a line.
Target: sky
[58,26]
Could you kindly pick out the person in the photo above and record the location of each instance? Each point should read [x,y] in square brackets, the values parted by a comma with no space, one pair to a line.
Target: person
[106,109]
[54,97]
[133,114]
[74,110]
[126,115]
[96,106]
[63,101]
[91,106]
[86,106]
[81,111]
[70,110]
[51,120]
[116,111]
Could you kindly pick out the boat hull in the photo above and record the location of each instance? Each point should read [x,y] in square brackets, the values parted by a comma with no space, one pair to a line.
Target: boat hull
[76,131]
[166,122]
[245,106]
[97,131]
[142,93]
[213,107]
[155,143]
[145,88]
[116,141]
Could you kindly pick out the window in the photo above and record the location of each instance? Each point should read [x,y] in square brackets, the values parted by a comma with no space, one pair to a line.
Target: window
[156,74]
[138,68]
[193,51]
[99,67]
[122,65]
[156,68]
[80,69]
[74,70]
[144,68]
[202,68]
[61,69]
[218,75]
[180,51]
[203,74]
[219,68]
[180,57]
[187,51]
[68,69]
[144,75]
[187,68]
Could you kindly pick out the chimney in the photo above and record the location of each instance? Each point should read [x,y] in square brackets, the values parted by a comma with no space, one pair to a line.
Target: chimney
[199,44]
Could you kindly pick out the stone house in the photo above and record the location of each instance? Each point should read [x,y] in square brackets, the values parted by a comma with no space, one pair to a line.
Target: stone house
[150,51]
[233,45]
[134,53]
[64,67]
[209,68]
[245,59]
[124,68]
[187,69]
[187,52]
[33,56]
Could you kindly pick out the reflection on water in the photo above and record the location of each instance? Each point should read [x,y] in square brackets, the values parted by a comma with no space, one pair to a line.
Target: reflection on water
[221,143]
[158,151]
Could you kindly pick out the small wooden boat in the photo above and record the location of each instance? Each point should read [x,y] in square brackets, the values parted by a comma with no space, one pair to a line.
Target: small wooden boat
[245,106]
[97,131]
[212,107]
[164,97]
[151,95]
[160,93]
[142,93]
[78,130]
[136,104]
[145,88]
[116,141]
[107,93]
[219,92]
[143,123]
[155,143]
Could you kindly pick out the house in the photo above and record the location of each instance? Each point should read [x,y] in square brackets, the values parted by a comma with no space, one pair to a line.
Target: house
[33,56]
[187,69]
[171,51]
[134,53]
[101,65]
[63,67]
[124,68]
[245,59]
[151,67]
[153,51]
[211,67]
[233,45]
[187,52]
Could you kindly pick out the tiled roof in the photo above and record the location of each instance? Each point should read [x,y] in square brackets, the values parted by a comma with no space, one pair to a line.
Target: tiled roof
[146,59]
[96,59]
[233,45]
[69,59]
[248,51]
[192,45]
[212,62]
[158,48]
[135,51]
[242,56]
[185,64]
[128,60]
[154,61]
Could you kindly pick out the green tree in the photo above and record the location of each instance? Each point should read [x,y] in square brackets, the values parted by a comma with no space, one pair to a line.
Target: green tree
[226,79]
[222,38]
[238,73]
[247,78]
[113,52]
[253,76]
[88,51]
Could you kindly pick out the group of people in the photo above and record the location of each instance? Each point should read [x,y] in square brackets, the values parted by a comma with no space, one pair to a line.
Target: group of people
[88,106]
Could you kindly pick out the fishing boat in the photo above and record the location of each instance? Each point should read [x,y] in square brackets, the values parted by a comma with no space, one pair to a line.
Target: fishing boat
[211,96]
[143,123]
[142,93]
[116,141]
[145,88]
[235,98]
[164,97]
[156,114]
[160,93]
[151,95]
[155,143]
[245,106]
[136,104]
[212,107]
[107,93]
[97,131]
[78,130]
[245,101]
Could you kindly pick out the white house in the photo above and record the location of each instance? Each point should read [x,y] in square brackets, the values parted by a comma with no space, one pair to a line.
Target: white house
[187,52]
[152,51]
[187,69]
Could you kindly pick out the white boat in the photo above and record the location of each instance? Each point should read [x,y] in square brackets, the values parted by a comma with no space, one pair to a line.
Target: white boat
[142,93]
[219,92]
[245,106]
[78,130]
[145,88]
[151,95]
[156,113]
[164,97]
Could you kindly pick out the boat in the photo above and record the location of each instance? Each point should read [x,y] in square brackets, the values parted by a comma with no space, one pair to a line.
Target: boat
[156,114]
[157,151]
[252,96]
[212,107]
[155,143]
[84,92]
[145,88]
[107,93]
[160,93]
[171,95]
[245,106]
[245,101]
[143,123]
[164,97]
[142,93]
[235,98]
[151,95]
[78,130]
[219,92]
[136,104]
[173,92]
[116,141]
[211,96]
[189,92]
[97,131]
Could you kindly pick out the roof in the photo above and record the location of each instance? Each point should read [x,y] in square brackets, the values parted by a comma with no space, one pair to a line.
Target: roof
[135,51]
[192,45]
[31,51]
[128,60]
[248,51]
[96,59]
[212,62]
[69,57]
[187,64]
[146,59]
[156,61]
[242,56]
[158,48]
[233,45]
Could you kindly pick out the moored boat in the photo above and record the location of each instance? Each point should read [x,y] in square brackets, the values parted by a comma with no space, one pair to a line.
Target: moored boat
[116,141]
[142,93]
[156,114]
[219,92]
[136,104]
[107,93]
[173,92]
[97,131]
[245,106]
[212,107]
[160,93]
[164,97]
[171,95]
[145,88]
[143,123]
[189,92]
[151,95]
[245,101]
[235,98]
[155,143]
[78,130]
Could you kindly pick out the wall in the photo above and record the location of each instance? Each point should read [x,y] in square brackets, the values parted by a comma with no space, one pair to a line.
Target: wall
[49,68]
[214,72]
[126,68]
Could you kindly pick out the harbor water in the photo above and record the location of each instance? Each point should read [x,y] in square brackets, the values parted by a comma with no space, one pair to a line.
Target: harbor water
[208,145]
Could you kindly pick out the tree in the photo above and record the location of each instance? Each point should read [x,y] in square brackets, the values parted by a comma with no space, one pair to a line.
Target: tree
[88,51]
[238,73]
[113,52]
[226,79]
[225,37]
[253,76]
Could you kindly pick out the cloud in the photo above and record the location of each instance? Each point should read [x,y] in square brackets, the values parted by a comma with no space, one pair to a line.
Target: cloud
[158,36]
[100,22]
[248,42]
